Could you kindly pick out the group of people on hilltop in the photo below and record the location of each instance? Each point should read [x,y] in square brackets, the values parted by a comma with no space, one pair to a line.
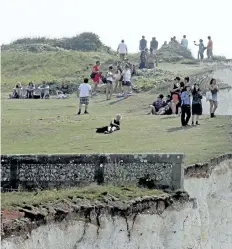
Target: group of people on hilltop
[185,101]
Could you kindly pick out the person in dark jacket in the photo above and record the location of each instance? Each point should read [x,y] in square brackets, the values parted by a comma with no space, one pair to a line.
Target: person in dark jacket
[142,44]
[153,45]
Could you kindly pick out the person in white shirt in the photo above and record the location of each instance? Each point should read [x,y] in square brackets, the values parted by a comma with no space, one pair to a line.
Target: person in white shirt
[109,83]
[85,92]
[122,50]
[184,42]
[44,90]
[127,78]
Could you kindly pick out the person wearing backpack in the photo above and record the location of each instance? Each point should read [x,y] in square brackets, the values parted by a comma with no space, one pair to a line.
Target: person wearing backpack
[96,76]
[142,44]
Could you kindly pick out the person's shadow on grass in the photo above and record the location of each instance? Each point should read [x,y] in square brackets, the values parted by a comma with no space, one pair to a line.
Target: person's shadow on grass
[174,129]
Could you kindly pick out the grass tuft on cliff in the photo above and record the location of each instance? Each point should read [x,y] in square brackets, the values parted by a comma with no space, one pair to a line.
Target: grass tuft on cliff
[92,192]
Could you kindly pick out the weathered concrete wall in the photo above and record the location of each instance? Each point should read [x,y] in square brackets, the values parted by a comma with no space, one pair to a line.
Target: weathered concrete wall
[44,171]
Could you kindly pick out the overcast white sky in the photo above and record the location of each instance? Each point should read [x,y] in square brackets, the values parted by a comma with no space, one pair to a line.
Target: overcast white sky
[120,19]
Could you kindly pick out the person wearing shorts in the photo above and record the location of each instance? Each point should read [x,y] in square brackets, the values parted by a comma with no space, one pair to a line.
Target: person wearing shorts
[97,76]
[109,83]
[213,87]
[85,92]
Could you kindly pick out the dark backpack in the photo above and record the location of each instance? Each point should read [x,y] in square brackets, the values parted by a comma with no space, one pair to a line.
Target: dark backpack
[92,75]
[104,79]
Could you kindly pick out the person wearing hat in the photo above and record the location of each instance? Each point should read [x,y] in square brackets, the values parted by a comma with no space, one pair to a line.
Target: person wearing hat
[157,105]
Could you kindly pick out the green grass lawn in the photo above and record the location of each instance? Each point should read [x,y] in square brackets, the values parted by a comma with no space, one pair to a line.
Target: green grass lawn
[51,126]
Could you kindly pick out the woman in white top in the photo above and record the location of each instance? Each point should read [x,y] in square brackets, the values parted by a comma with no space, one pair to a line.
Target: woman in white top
[127,79]
[109,83]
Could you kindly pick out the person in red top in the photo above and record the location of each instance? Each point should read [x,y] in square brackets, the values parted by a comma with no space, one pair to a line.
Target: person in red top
[96,76]
[209,48]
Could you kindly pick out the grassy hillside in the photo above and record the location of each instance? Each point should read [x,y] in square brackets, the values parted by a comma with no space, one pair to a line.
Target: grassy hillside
[51,126]
[51,66]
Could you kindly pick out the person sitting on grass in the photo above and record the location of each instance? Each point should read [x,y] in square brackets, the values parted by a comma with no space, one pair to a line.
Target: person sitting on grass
[159,103]
[16,94]
[44,91]
[114,126]
[30,89]
[167,109]
[85,92]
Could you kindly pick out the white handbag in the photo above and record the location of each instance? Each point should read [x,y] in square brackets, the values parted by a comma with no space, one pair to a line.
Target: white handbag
[208,95]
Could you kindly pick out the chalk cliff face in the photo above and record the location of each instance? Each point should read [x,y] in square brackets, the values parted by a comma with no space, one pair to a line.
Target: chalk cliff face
[204,222]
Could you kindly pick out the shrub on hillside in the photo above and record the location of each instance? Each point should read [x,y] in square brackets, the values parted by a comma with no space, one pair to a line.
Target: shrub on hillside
[83,42]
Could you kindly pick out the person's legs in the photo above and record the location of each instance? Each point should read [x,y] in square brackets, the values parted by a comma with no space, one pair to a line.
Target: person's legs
[120,87]
[107,90]
[183,115]
[111,89]
[197,119]
[86,108]
[193,118]
[215,105]
[95,87]
[116,87]
[211,107]
[188,113]
[80,106]
[174,107]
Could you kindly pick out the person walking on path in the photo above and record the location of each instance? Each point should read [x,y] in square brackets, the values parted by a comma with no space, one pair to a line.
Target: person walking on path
[85,92]
[185,106]
[142,44]
[184,42]
[154,45]
[122,50]
[213,88]
[196,104]
[96,76]
[209,48]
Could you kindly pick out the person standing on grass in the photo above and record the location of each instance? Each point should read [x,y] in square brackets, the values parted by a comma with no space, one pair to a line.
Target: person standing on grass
[127,79]
[122,50]
[209,48]
[184,42]
[96,76]
[154,45]
[175,93]
[109,83]
[196,104]
[185,106]
[118,80]
[85,92]
[142,44]
[201,49]
[213,87]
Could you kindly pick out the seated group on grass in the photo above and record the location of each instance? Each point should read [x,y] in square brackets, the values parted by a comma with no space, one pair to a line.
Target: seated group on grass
[179,102]
[30,91]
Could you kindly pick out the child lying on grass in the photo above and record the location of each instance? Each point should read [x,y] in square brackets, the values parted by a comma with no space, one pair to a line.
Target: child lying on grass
[114,126]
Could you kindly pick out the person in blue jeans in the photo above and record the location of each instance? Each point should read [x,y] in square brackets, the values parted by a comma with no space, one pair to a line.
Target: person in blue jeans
[185,106]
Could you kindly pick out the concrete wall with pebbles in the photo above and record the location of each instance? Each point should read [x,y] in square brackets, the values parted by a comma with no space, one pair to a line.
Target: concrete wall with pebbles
[46,171]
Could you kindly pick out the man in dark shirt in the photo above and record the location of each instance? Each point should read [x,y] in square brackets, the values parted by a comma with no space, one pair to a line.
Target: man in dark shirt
[154,44]
[159,103]
[142,44]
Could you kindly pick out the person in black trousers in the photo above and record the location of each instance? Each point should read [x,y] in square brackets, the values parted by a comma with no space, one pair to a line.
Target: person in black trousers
[185,106]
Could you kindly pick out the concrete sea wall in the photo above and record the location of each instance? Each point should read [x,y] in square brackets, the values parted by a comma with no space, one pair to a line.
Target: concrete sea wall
[45,171]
